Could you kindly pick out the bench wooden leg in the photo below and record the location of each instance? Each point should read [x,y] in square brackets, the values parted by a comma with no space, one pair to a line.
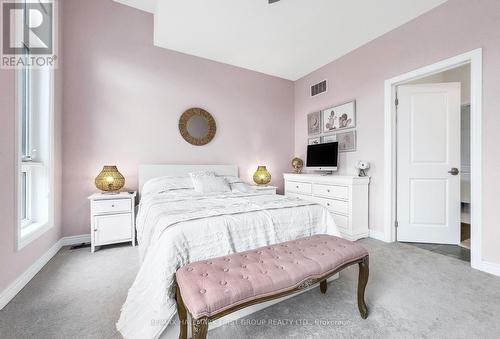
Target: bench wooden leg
[200,328]
[181,311]
[364,272]
[323,286]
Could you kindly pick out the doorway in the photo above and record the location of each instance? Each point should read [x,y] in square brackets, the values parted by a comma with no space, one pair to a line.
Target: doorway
[437,201]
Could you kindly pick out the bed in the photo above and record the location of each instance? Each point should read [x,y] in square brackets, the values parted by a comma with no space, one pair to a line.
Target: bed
[177,225]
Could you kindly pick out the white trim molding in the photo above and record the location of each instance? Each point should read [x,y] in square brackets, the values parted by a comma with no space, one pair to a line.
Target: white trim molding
[474,58]
[76,240]
[17,285]
[491,268]
[378,235]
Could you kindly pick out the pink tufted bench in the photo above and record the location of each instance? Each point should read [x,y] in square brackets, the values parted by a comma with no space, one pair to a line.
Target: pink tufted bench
[213,288]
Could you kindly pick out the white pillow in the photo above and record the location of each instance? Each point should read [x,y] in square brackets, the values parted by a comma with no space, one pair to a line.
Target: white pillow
[162,184]
[231,179]
[208,182]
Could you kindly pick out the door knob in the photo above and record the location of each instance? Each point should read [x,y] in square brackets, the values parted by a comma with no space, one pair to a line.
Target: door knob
[454,171]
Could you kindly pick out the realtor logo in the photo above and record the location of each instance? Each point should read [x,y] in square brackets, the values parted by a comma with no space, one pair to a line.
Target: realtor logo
[28,33]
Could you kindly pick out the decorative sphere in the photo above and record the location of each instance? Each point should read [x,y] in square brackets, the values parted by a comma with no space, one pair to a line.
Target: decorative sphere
[297,165]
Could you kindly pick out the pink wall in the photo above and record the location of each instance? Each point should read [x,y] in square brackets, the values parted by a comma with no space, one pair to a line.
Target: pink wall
[455,27]
[123,98]
[13,262]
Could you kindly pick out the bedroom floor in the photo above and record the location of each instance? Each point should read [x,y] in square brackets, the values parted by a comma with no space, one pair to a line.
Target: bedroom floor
[411,293]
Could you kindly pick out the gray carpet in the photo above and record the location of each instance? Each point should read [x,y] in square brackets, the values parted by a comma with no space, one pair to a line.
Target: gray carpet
[411,293]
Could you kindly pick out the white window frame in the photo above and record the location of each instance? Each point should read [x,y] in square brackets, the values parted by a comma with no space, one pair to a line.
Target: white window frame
[26,217]
[27,229]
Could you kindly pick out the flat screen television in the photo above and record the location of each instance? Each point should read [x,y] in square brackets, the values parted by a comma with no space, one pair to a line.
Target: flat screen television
[323,157]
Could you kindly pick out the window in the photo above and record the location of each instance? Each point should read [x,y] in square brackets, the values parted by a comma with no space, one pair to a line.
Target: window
[35,152]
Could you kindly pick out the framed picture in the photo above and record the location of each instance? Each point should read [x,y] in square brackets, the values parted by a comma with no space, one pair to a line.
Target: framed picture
[329,138]
[314,123]
[314,141]
[339,117]
[347,141]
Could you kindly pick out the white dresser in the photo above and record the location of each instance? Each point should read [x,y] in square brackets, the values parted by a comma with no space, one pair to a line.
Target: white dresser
[112,218]
[345,196]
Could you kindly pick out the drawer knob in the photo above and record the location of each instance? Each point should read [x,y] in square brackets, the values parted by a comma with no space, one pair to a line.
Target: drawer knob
[95,229]
[297,186]
[327,204]
[328,191]
[112,205]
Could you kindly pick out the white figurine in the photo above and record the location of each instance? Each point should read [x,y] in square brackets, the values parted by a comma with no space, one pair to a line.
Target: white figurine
[362,166]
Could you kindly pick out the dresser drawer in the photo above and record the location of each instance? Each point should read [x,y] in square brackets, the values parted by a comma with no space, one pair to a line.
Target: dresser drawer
[331,191]
[112,206]
[336,206]
[298,187]
[112,228]
[341,221]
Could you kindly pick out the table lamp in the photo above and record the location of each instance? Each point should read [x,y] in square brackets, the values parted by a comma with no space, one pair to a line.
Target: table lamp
[110,180]
[262,176]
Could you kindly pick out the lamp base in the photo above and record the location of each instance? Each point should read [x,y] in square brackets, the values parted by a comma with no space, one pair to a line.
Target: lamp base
[111,193]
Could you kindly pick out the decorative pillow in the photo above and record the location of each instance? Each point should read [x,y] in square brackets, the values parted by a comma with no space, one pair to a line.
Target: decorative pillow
[208,182]
[162,184]
[231,179]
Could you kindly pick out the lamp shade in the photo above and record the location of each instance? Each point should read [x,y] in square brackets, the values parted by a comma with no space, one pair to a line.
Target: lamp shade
[262,176]
[110,179]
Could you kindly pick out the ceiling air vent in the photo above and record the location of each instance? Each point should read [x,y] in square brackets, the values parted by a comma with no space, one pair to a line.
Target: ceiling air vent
[318,88]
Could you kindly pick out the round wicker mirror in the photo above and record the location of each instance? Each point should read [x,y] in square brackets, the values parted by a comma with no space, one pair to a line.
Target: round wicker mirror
[197,126]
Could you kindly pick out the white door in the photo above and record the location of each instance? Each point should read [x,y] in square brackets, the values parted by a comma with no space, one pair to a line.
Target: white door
[428,150]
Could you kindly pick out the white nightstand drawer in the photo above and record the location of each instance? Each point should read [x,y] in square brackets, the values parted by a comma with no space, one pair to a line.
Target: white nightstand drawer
[111,206]
[331,191]
[112,228]
[298,187]
[337,206]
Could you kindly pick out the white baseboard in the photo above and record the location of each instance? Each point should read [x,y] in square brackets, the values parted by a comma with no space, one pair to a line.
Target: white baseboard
[76,240]
[17,285]
[378,235]
[491,268]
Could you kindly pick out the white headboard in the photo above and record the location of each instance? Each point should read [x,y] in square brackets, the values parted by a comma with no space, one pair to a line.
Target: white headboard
[147,172]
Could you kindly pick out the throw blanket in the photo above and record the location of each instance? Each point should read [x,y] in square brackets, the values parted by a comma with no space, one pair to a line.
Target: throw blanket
[176,228]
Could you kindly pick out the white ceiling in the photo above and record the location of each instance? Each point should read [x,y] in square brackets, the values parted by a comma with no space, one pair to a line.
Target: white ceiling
[288,39]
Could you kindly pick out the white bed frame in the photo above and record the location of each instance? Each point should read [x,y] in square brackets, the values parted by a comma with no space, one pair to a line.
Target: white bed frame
[147,172]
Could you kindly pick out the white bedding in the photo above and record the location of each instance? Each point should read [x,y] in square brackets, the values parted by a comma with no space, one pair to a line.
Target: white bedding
[177,227]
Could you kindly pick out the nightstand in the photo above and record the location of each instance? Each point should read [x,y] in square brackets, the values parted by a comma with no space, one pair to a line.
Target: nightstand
[266,189]
[112,218]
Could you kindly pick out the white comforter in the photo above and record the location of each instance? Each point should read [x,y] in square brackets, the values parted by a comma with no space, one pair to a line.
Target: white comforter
[178,227]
